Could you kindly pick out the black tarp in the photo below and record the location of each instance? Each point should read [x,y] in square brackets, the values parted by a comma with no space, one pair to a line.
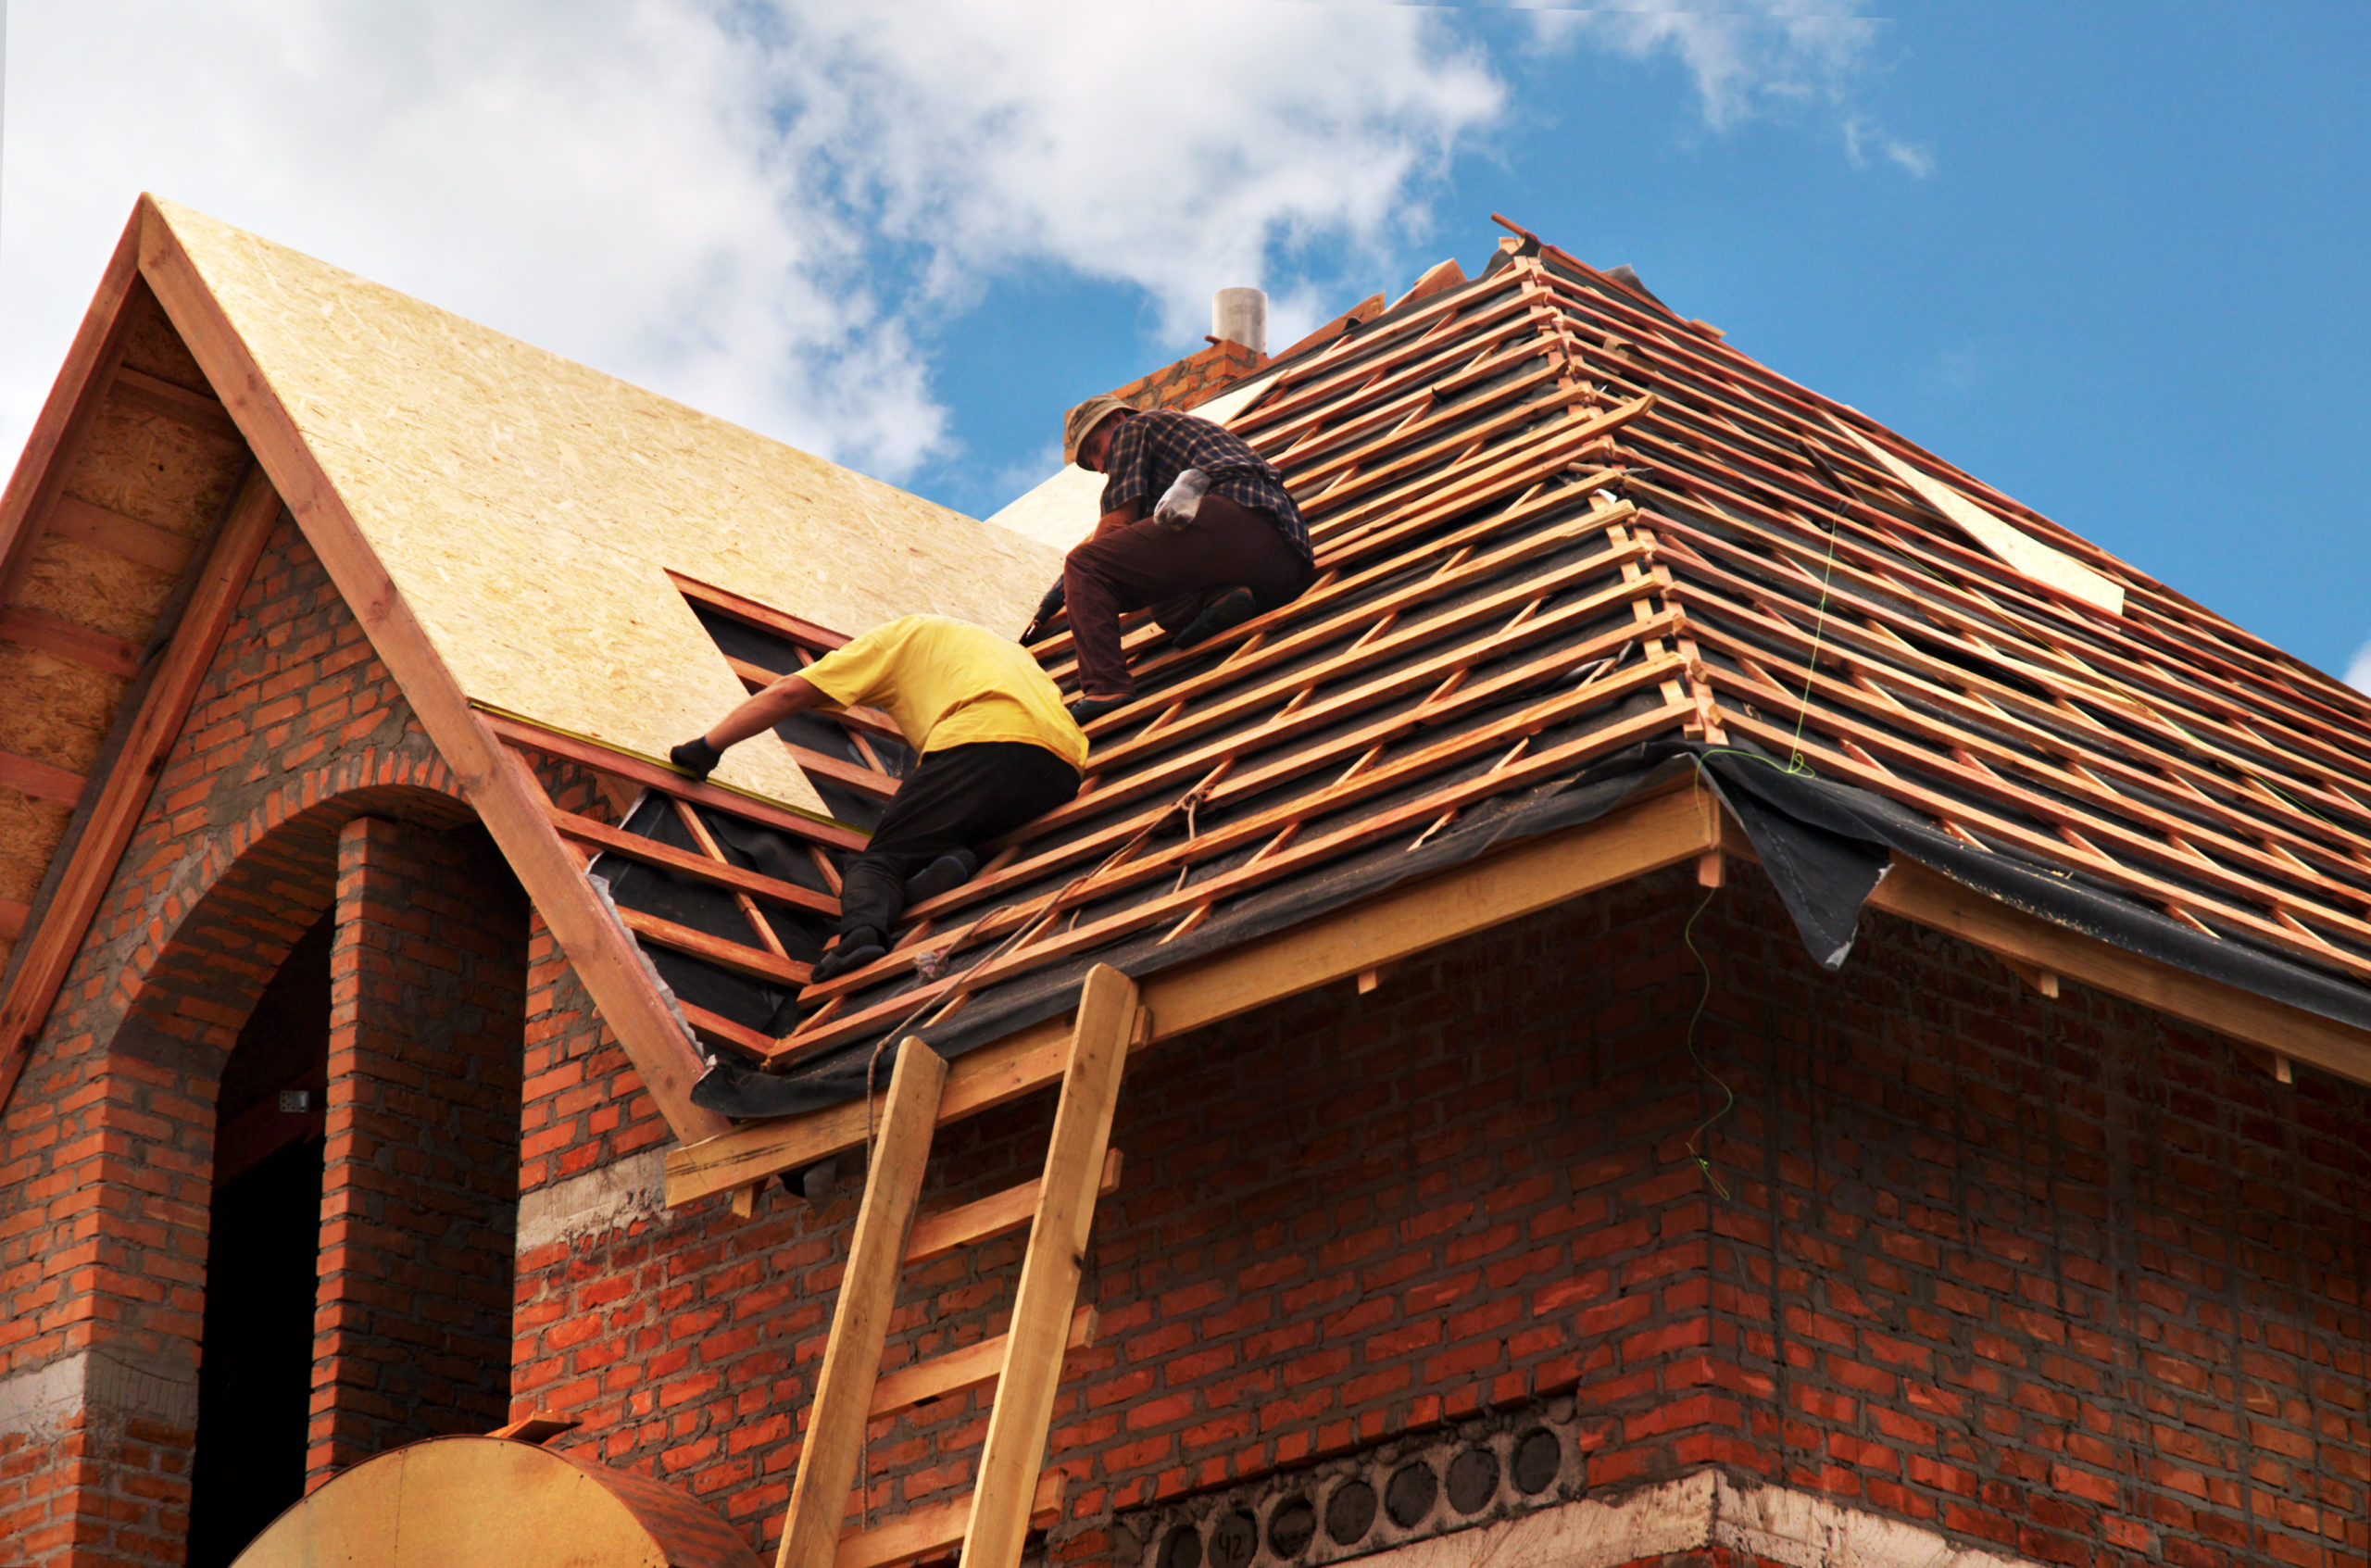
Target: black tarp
[1824,847]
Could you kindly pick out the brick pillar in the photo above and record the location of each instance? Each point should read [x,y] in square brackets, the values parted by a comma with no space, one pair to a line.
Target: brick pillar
[412,1334]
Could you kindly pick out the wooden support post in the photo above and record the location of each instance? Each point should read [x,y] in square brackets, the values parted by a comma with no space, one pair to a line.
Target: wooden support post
[819,1499]
[1003,1499]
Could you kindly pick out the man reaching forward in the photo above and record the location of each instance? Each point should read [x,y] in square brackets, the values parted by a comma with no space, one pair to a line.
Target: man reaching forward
[997,749]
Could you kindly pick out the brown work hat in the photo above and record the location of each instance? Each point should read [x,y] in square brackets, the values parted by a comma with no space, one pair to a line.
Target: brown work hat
[1080,422]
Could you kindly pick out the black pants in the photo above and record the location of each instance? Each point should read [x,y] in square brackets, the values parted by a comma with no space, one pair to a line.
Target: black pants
[957,798]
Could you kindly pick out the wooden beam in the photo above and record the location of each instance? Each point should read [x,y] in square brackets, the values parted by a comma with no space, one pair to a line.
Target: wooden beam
[1917,894]
[927,1532]
[496,782]
[172,686]
[970,1366]
[723,951]
[672,781]
[719,1027]
[585,830]
[43,781]
[1010,1456]
[843,1403]
[540,1427]
[199,411]
[1644,837]
[757,613]
[949,1230]
[150,546]
[78,645]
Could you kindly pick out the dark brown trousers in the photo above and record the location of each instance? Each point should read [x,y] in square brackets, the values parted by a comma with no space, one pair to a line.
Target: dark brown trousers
[1177,575]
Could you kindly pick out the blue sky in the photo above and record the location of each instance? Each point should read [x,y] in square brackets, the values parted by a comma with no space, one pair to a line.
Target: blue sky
[2112,259]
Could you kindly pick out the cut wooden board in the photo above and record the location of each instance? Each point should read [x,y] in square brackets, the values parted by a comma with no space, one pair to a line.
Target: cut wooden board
[937,1235]
[972,1366]
[2041,562]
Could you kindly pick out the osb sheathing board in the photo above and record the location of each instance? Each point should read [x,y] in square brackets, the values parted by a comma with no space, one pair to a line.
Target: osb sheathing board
[54,710]
[528,508]
[151,467]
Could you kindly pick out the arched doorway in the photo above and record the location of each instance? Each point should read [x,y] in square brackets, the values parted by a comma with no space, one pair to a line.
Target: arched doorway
[255,1359]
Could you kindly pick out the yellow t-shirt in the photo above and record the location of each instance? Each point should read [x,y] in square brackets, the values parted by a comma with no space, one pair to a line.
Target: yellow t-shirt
[949,682]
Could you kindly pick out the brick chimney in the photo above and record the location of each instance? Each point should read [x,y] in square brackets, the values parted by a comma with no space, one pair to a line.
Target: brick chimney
[1238,346]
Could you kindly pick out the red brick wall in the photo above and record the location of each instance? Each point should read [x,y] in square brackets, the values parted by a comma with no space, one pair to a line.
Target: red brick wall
[2053,1277]
[1194,379]
[420,1177]
[105,1150]
[583,1106]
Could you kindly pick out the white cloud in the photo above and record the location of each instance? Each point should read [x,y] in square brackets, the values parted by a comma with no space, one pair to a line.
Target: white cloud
[2358,669]
[766,208]
[699,194]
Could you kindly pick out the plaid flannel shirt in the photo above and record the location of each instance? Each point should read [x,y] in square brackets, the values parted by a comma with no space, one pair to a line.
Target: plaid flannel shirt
[1149,450]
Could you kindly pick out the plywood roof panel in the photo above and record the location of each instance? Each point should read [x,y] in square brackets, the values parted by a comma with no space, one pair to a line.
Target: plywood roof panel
[528,508]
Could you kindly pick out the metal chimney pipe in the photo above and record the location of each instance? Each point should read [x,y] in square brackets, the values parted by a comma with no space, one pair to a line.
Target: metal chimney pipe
[1241,316]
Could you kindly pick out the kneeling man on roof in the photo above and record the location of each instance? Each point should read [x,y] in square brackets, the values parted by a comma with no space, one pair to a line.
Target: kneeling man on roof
[1196,524]
[997,749]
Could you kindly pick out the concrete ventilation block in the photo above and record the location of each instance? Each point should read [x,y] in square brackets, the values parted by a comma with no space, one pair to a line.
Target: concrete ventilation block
[1477,1473]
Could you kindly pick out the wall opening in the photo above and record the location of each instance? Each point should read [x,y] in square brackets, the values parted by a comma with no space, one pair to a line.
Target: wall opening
[256,1359]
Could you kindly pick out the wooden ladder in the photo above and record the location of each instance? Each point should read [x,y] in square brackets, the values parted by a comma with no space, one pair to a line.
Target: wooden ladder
[1025,1363]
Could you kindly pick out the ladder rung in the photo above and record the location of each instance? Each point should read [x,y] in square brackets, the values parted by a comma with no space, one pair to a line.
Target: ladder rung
[939,1528]
[935,1235]
[959,1370]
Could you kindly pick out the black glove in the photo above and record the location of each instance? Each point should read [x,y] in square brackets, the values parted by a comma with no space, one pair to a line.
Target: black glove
[1047,608]
[696,757]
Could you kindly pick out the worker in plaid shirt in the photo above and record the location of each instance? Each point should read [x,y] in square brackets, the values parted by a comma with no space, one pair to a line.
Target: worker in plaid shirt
[1195,526]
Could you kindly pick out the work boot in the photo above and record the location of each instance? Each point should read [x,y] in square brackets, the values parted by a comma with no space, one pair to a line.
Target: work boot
[951,870]
[1233,608]
[857,949]
[1087,708]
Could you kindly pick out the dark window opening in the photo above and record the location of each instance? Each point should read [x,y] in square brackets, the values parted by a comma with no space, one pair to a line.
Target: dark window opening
[255,1366]
[760,643]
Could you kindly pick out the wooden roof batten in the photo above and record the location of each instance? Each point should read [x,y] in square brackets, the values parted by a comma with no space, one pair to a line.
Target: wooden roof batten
[1848,625]
[1552,522]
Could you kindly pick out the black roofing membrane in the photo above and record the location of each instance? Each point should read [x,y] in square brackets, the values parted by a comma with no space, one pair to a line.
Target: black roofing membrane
[1825,845]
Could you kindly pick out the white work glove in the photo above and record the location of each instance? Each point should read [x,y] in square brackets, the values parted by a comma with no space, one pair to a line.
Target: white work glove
[1181,500]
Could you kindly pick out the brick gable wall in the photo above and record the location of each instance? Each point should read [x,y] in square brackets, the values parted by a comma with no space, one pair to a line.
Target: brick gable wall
[2055,1278]
[105,1150]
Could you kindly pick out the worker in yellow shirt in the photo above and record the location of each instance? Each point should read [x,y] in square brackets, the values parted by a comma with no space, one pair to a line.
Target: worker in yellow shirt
[997,749]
